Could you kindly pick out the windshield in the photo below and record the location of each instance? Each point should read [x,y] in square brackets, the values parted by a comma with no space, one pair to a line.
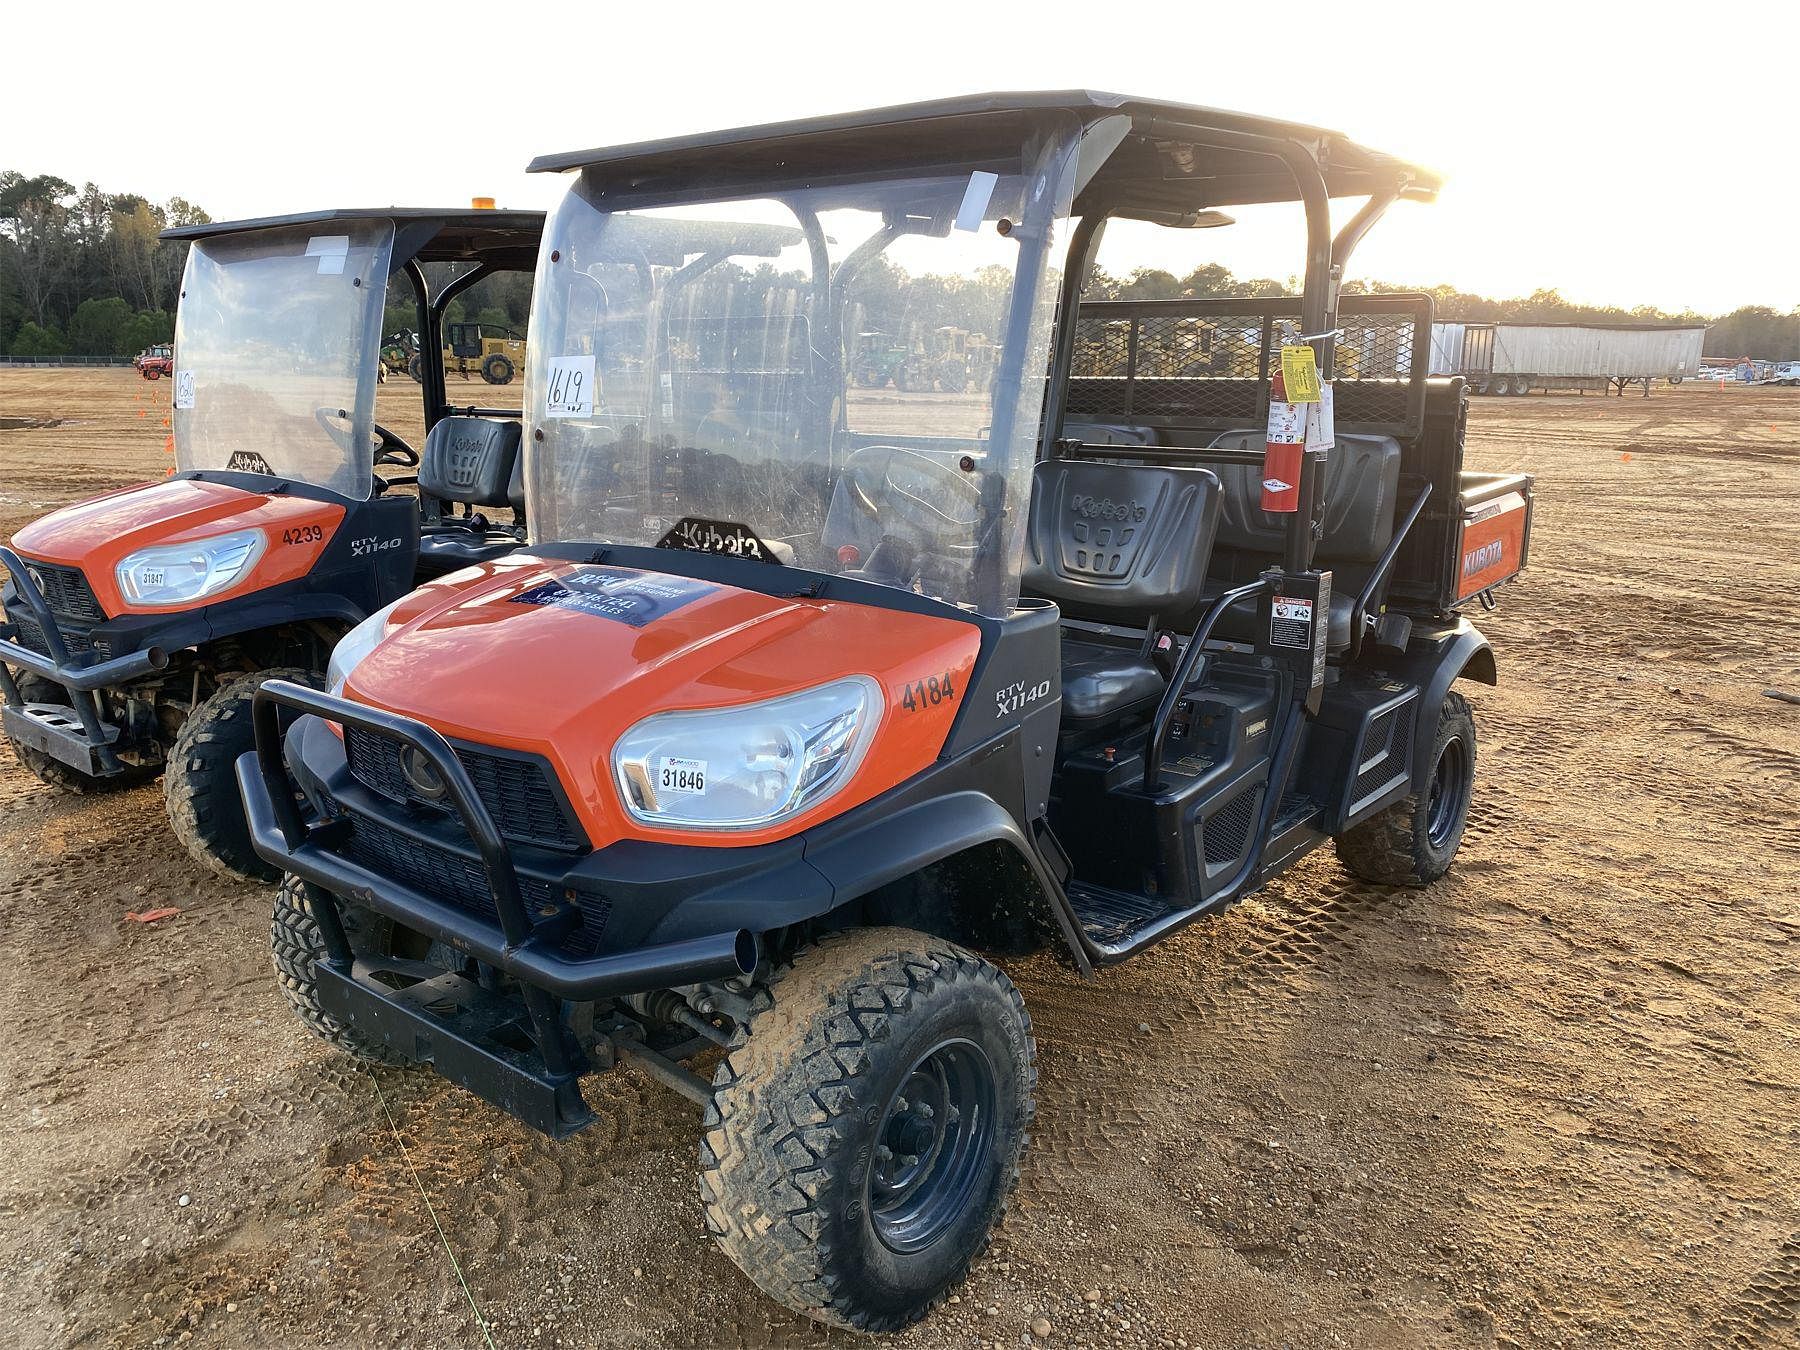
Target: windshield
[275,342]
[847,378]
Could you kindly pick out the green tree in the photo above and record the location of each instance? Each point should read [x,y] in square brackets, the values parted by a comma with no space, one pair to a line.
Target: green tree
[35,340]
[100,327]
[147,328]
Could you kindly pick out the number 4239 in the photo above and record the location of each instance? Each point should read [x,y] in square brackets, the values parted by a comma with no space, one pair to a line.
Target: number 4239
[929,693]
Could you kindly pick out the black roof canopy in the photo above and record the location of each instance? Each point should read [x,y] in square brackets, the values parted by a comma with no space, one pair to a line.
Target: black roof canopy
[506,240]
[1175,158]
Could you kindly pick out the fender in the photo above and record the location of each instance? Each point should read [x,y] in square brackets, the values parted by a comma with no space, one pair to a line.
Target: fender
[902,842]
[1460,652]
[270,609]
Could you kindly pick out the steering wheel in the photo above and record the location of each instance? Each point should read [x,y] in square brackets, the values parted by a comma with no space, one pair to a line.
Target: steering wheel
[935,503]
[388,448]
[392,449]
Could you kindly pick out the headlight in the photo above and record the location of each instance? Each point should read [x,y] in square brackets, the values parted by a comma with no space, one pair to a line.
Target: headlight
[354,645]
[739,768]
[172,574]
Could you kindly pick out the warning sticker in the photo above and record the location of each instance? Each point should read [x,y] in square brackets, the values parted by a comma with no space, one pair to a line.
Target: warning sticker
[1290,622]
[617,593]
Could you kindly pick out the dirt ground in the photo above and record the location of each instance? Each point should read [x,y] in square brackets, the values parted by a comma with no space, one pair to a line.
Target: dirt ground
[1553,1100]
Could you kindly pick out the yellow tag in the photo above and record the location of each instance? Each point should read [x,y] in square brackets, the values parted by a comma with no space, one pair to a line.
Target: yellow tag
[1300,374]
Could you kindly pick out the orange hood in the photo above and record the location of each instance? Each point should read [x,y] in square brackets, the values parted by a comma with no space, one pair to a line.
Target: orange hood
[96,535]
[561,659]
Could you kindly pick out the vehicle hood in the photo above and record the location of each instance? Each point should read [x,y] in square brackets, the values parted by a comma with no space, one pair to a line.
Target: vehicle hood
[560,659]
[97,534]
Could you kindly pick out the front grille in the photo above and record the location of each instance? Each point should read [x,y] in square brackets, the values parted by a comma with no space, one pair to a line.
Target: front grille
[67,593]
[462,881]
[32,636]
[517,792]
[72,605]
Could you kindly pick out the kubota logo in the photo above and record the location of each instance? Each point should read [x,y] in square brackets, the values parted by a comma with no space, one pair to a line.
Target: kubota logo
[1480,559]
[1105,508]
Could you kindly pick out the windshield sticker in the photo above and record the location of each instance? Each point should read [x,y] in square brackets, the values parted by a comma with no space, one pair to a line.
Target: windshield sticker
[571,380]
[248,461]
[184,389]
[635,598]
[975,200]
[695,535]
[330,250]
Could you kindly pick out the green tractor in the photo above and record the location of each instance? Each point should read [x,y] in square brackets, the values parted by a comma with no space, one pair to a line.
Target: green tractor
[879,361]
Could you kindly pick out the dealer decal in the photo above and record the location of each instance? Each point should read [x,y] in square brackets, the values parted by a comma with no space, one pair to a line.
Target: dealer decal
[618,593]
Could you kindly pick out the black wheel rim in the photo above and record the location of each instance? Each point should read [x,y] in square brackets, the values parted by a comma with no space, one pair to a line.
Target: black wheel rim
[931,1149]
[1449,795]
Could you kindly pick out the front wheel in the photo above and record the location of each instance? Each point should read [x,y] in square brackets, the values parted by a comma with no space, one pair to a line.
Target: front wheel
[497,369]
[200,782]
[1412,842]
[864,1135]
[295,944]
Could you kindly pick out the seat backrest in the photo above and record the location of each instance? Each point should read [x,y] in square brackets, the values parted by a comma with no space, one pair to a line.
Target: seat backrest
[1121,542]
[1362,482]
[470,460]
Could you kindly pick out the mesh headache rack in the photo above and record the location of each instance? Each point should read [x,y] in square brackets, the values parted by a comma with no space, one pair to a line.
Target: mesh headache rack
[1194,366]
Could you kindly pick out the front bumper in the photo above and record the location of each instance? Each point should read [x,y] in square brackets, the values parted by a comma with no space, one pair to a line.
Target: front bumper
[469,1032]
[73,735]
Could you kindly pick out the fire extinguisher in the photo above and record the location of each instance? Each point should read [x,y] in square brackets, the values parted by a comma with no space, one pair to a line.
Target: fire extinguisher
[1284,450]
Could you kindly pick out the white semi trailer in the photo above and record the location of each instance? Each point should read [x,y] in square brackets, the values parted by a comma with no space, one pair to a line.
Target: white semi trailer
[1515,358]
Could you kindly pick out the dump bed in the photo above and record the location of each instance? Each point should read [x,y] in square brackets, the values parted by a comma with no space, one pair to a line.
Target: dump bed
[1168,381]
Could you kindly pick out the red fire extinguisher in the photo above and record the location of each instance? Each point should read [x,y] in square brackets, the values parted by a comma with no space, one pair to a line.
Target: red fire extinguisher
[1284,449]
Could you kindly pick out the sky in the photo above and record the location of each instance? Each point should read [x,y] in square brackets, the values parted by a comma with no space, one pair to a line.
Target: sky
[1619,153]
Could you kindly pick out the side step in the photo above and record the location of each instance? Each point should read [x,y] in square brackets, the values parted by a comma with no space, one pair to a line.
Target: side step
[477,1039]
[1111,918]
[1118,923]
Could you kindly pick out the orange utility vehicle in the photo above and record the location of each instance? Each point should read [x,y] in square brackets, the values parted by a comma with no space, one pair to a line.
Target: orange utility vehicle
[138,624]
[792,714]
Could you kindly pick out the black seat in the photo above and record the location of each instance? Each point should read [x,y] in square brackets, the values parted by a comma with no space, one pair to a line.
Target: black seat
[1361,486]
[471,461]
[1118,543]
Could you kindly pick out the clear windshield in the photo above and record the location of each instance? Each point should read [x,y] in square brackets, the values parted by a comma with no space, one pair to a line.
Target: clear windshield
[276,340]
[848,376]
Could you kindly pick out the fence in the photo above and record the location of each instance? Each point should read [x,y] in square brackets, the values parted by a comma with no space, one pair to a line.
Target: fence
[65,360]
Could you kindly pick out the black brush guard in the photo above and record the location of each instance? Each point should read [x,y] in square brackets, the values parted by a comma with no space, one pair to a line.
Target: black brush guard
[472,1035]
[87,745]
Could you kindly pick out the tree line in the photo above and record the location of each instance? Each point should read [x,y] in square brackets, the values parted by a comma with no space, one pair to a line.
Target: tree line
[83,273]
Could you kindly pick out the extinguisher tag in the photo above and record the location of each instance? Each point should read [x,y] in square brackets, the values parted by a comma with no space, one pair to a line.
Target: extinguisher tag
[1300,374]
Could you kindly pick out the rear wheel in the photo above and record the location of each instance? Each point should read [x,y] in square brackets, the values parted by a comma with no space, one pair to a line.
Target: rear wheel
[415,367]
[864,1136]
[35,689]
[200,783]
[497,369]
[1413,841]
[296,945]
[1500,385]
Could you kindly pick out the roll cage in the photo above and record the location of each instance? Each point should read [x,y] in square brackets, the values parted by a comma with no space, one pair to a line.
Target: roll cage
[1167,163]
[486,241]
